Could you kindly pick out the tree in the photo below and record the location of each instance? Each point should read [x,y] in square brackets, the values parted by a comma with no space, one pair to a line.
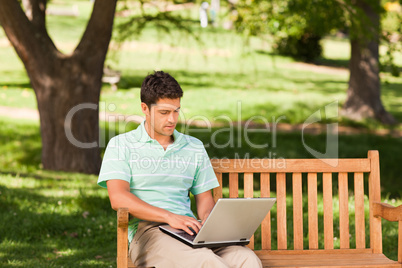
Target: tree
[63,82]
[285,20]
[364,91]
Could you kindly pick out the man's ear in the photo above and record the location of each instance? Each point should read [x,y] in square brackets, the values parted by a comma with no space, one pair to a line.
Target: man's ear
[145,109]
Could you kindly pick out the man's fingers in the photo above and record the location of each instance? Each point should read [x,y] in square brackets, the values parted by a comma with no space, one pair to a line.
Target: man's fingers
[192,226]
[185,223]
[198,224]
[187,230]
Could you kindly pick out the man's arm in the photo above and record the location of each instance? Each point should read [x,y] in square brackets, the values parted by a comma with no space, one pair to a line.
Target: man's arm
[205,202]
[120,196]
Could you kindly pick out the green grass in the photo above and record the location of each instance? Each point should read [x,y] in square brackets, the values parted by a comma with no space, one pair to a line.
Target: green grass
[55,220]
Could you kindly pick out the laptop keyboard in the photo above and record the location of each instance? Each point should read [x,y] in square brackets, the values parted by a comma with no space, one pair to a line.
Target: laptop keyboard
[187,236]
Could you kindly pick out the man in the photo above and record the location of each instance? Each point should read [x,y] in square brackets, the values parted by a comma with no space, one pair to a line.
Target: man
[151,170]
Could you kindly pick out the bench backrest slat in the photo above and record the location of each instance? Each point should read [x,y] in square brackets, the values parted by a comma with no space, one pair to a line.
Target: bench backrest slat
[265,183]
[328,211]
[248,184]
[359,210]
[281,210]
[233,185]
[297,211]
[312,210]
[375,196]
[249,192]
[343,210]
[316,176]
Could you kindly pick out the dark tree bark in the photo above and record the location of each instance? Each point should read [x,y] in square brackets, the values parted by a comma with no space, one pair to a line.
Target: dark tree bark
[67,87]
[364,92]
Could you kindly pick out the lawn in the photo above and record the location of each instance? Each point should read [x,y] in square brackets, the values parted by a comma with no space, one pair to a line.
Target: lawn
[58,219]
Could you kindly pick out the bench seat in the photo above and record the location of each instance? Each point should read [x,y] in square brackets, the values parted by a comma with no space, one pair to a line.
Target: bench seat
[308,258]
[324,258]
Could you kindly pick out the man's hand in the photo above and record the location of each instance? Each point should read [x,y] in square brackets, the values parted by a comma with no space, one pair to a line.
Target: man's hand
[184,223]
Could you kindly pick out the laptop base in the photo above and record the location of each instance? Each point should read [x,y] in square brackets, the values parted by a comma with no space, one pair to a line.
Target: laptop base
[207,245]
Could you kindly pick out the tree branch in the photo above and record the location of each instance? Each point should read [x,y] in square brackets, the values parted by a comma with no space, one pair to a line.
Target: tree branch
[95,41]
[29,42]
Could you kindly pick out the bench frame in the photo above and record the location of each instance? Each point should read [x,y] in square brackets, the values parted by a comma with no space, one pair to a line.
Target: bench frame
[300,256]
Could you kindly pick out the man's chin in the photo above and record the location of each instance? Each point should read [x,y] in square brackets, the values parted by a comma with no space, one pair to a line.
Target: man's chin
[168,131]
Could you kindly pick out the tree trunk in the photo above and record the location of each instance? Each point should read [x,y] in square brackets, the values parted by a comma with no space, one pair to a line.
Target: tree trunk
[67,87]
[69,116]
[364,92]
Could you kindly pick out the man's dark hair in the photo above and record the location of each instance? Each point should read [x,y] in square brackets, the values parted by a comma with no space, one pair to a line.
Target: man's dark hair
[159,85]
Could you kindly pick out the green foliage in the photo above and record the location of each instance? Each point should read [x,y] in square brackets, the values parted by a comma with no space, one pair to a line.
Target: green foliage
[392,37]
[306,48]
[296,26]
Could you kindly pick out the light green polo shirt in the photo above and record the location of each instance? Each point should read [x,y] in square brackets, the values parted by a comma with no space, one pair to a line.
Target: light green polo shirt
[162,178]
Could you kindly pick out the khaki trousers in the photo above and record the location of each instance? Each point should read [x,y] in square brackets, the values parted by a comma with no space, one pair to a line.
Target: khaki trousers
[152,248]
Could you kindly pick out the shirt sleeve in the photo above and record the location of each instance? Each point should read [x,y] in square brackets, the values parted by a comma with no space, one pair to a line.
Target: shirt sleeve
[115,164]
[205,178]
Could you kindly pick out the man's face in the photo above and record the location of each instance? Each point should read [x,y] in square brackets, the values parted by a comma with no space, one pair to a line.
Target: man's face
[162,116]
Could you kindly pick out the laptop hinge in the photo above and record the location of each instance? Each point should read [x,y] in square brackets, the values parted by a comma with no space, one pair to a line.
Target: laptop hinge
[201,242]
[243,239]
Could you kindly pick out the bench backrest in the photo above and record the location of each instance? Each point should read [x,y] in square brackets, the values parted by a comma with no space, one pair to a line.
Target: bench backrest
[303,178]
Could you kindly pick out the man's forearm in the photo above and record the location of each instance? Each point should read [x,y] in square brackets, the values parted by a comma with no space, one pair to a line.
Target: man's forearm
[205,204]
[120,196]
[139,208]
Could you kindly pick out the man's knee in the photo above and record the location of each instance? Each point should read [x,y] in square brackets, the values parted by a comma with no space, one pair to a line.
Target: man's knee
[239,256]
[204,257]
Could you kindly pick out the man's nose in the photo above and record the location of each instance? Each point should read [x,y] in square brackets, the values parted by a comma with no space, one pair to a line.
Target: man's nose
[171,118]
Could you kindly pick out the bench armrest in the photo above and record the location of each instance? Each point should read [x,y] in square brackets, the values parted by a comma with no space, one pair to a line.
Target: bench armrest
[122,237]
[122,218]
[390,213]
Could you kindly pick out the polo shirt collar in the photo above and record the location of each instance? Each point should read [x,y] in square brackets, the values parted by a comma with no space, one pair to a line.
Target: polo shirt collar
[141,135]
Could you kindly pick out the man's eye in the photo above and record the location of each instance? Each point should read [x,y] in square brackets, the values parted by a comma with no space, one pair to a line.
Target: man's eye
[163,112]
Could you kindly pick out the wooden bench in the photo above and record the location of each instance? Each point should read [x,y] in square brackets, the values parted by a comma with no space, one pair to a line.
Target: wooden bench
[282,245]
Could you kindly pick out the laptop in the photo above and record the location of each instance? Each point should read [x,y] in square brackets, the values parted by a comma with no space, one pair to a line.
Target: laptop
[232,221]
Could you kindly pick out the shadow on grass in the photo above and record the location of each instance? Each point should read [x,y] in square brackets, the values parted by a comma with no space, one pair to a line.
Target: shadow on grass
[130,81]
[319,62]
[21,145]
[37,229]
[332,63]
[16,85]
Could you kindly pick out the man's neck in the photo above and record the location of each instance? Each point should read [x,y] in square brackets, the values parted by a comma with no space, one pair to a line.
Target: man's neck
[165,141]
